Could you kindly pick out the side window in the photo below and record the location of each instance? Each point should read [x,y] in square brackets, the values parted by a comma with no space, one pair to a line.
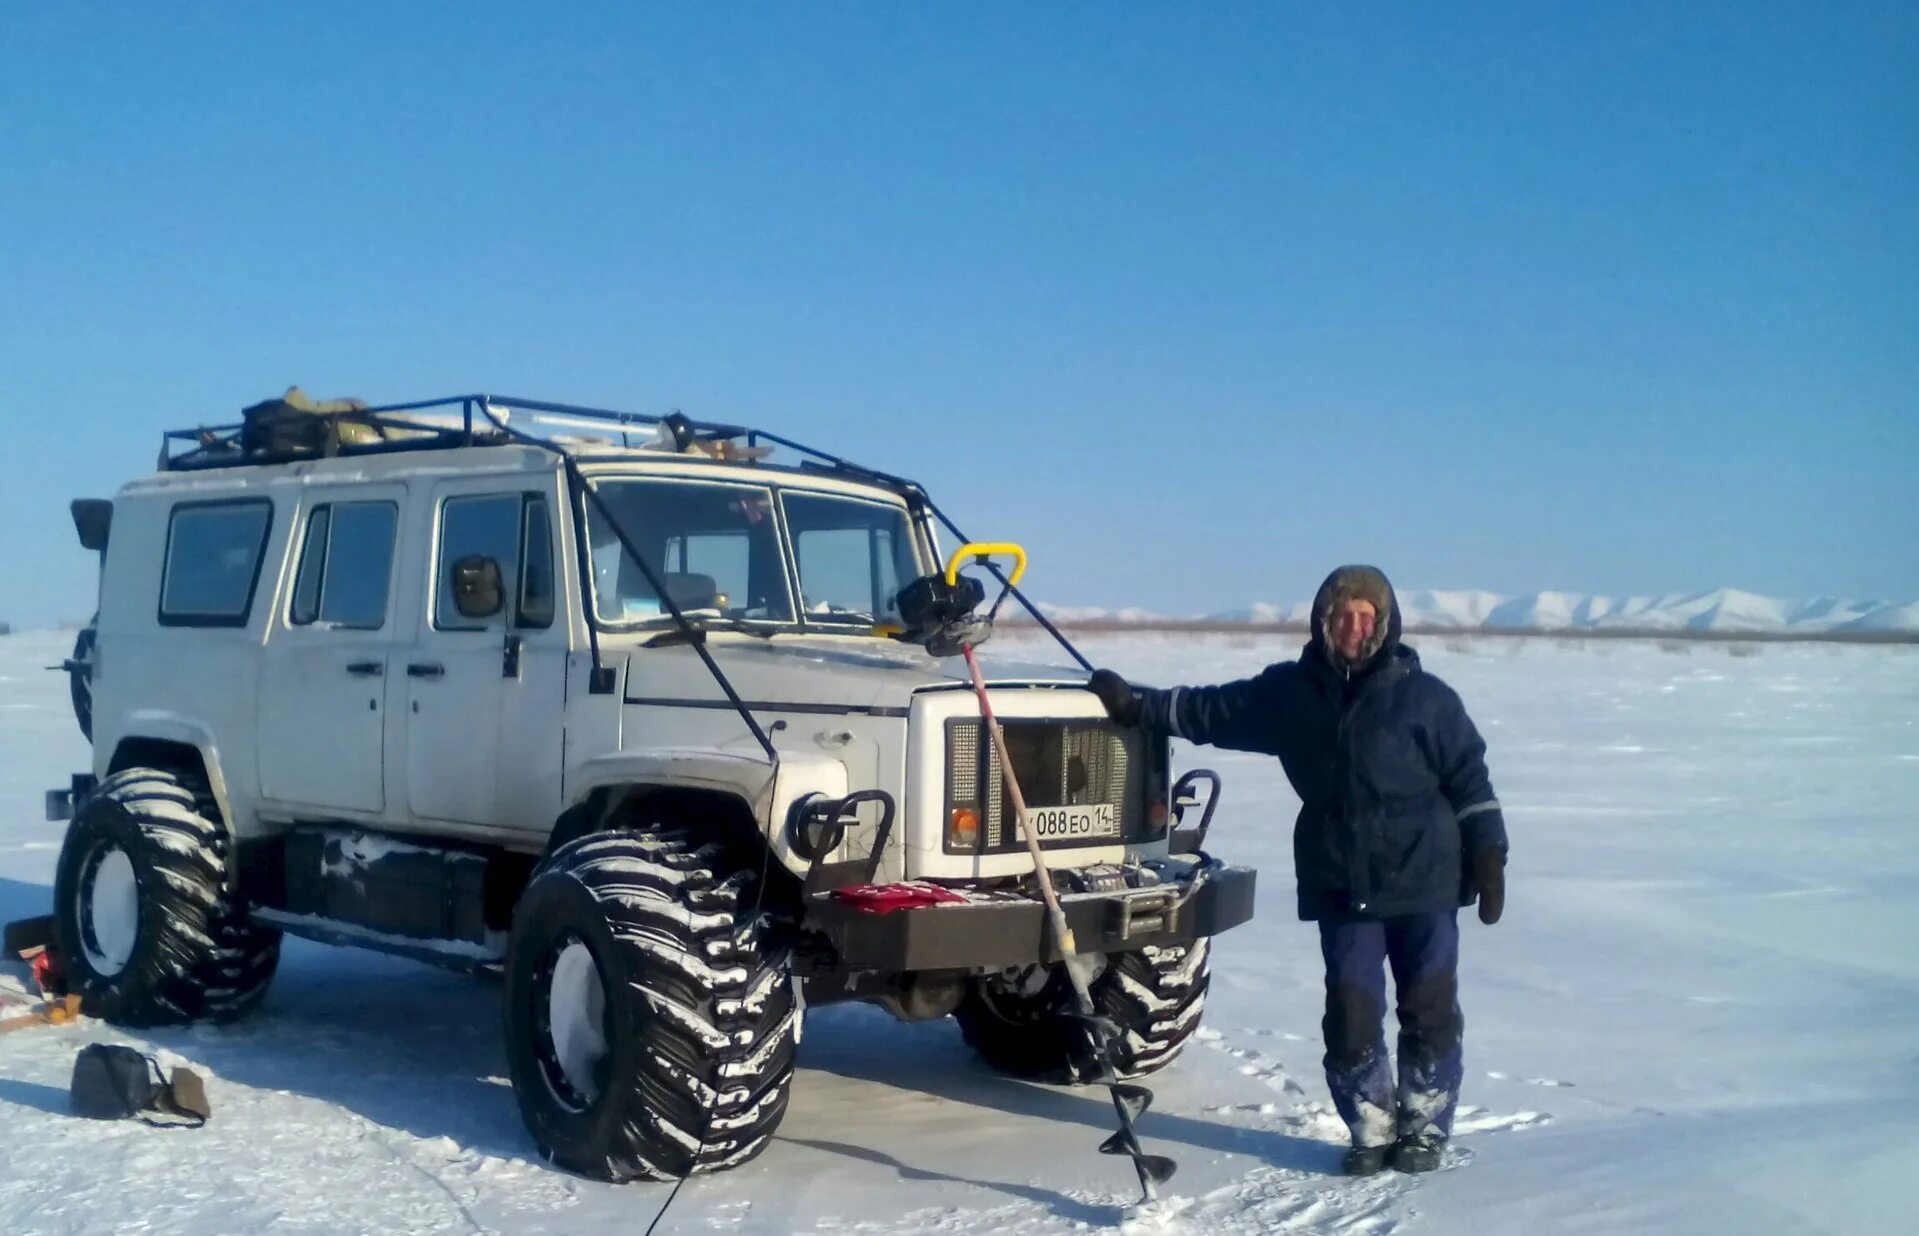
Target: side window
[213,562]
[306,586]
[536,571]
[346,566]
[512,529]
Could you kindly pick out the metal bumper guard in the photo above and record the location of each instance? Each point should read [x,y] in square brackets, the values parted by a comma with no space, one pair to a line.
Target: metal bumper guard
[1195,897]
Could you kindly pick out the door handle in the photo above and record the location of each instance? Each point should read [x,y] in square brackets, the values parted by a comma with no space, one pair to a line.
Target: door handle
[366,669]
[426,669]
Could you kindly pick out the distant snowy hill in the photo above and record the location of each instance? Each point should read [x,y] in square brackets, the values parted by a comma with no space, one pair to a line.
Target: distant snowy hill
[1727,609]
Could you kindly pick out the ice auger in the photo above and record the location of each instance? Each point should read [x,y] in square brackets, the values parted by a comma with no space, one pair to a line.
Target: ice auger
[941,612]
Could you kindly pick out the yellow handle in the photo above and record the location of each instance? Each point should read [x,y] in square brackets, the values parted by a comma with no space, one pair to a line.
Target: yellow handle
[985,549]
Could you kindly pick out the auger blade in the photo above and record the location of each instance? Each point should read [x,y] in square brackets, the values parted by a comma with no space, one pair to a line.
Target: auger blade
[1131,1100]
[1100,1029]
[1079,969]
[1154,1170]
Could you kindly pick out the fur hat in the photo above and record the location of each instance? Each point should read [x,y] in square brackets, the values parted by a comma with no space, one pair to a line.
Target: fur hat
[1356,583]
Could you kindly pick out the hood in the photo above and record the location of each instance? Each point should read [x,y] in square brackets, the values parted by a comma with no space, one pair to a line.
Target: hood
[844,671]
[1365,583]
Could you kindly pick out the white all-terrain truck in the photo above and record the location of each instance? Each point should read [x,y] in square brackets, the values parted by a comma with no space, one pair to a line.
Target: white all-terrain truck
[619,707]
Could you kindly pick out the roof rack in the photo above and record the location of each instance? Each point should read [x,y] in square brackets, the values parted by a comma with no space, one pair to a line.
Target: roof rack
[480,424]
[476,420]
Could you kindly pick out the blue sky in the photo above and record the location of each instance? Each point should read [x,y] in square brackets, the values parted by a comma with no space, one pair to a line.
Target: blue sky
[1197,302]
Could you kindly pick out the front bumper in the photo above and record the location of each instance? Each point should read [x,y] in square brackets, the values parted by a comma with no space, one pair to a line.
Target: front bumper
[1195,897]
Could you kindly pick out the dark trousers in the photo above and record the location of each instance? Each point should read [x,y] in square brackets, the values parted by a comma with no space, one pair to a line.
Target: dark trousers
[1423,950]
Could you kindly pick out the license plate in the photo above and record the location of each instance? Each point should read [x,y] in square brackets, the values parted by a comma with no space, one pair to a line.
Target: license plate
[1074,823]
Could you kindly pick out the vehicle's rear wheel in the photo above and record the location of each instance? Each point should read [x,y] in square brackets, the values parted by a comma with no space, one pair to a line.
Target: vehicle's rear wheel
[650,1021]
[140,910]
[1024,1025]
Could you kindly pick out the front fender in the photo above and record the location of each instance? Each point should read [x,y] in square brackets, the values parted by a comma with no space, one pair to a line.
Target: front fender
[768,792]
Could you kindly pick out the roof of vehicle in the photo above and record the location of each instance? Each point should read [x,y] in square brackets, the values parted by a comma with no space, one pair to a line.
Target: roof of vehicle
[485,433]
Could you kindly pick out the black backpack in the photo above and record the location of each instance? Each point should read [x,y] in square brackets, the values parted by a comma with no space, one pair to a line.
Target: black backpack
[296,424]
[114,1083]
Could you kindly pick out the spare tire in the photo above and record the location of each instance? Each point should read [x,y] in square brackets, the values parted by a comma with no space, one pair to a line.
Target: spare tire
[79,669]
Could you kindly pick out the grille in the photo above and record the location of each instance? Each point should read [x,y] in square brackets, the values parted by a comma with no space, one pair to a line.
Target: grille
[1059,764]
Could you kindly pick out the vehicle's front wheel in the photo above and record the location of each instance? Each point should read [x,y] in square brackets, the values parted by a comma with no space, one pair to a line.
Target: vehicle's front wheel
[141,915]
[650,1021]
[1024,1024]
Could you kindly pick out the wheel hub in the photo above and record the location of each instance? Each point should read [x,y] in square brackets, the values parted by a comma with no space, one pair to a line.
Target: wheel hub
[573,1039]
[109,910]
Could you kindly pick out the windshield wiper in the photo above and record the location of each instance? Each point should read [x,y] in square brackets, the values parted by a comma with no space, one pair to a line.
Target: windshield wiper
[698,624]
[849,617]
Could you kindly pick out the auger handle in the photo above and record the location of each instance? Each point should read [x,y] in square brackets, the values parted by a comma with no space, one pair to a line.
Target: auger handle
[986,549]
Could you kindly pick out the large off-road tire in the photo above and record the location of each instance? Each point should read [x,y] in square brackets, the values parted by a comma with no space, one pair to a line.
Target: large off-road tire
[1156,997]
[141,915]
[650,1018]
[79,669]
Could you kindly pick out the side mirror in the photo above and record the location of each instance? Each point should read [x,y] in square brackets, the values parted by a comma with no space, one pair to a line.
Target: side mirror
[93,520]
[477,590]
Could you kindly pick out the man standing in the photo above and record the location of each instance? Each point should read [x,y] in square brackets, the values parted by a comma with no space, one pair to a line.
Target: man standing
[1397,828]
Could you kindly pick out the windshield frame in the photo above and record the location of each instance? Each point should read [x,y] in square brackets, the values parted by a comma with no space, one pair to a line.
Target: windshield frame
[924,549]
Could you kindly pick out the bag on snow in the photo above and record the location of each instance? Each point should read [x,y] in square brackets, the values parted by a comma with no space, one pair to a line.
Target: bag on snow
[111,1082]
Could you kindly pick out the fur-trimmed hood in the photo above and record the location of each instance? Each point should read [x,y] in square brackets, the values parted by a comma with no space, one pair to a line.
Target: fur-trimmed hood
[1363,583]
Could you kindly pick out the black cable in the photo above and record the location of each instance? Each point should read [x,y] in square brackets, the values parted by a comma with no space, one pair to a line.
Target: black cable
[1017,594]
[693,634]
[678,1184]
[706,1130]
[577,484]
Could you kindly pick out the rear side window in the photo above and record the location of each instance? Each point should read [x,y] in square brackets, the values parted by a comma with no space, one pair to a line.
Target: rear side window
[513,530]
[213,562]
[346,566]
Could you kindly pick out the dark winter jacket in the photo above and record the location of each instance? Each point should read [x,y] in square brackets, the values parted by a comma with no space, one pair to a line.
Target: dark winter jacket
[1389,769]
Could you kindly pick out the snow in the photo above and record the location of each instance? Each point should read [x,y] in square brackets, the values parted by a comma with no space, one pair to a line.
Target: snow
[1698,1015]
[1724,610]
[353,850]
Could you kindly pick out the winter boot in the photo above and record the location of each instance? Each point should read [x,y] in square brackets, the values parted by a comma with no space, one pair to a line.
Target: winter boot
[1420,1152]
[1366,1160]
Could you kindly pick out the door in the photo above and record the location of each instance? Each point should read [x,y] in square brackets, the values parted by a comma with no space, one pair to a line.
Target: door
[485,693]
[322,692]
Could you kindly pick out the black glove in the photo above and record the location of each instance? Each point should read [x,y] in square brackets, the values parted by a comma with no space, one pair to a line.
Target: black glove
[1489,872]
[1122,702]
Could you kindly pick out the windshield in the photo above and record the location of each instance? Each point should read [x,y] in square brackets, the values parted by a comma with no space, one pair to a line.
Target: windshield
[717,549]
[714,547]
[853,557]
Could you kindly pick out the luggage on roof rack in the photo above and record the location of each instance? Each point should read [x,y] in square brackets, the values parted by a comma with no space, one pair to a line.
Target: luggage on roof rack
[297,424]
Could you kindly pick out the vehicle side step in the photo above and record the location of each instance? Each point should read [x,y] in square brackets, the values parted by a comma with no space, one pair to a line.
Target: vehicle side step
[483,958]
